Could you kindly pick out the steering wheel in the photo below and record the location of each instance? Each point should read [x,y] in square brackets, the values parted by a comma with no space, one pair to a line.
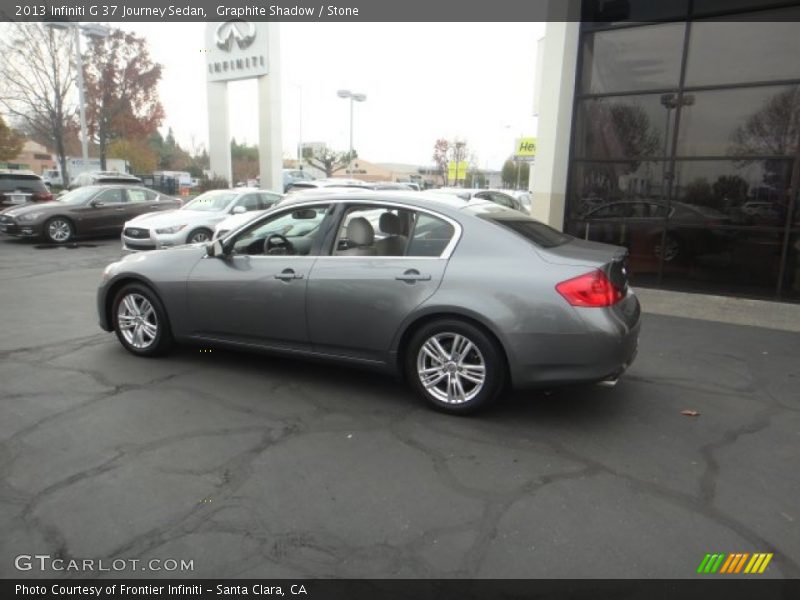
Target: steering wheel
[284,247]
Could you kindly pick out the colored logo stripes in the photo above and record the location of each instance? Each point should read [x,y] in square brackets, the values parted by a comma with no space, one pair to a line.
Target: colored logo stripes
[741,562]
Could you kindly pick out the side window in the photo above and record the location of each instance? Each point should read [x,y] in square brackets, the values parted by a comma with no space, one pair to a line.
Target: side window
[290,232]
[139,196]
[268,200]
[250,202]
[503,200]
[111,196]
[609,211]
[659,211]
[430,236]
[372,230]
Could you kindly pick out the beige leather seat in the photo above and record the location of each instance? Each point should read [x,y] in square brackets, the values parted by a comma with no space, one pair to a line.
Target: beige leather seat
[394,244]
[360,239]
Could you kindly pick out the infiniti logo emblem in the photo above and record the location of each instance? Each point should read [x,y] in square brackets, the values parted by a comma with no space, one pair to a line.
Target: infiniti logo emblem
[243,32]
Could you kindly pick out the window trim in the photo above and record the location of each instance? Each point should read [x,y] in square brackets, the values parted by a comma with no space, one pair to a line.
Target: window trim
[348,203]
[314,251]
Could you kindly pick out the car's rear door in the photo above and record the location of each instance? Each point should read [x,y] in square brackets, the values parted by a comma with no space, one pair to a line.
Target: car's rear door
[359,294]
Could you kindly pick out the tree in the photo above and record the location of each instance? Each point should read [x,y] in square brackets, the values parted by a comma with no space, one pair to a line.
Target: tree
[515,172]
[445,152]
[244,161]
[327,160]
[441,149]
[121,90]
[142,158]
[37,76]
[10,142]
[773,130]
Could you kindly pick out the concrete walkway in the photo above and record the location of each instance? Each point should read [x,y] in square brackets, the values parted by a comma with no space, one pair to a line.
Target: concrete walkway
[735,311]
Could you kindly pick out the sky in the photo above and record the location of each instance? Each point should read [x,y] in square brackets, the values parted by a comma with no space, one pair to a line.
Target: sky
[423,81]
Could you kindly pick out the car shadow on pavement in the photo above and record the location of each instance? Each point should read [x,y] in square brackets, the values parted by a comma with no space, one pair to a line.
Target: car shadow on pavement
[578,403]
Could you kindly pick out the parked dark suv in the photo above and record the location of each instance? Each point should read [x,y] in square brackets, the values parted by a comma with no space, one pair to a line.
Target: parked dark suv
[20,187]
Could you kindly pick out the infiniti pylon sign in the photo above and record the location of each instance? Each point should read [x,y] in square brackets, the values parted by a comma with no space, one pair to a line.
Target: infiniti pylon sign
[241,32]
[236,50]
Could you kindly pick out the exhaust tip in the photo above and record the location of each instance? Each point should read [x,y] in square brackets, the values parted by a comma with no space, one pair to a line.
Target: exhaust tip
[608,383]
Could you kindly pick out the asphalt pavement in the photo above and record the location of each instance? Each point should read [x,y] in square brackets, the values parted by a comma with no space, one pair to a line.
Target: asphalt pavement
[256,466]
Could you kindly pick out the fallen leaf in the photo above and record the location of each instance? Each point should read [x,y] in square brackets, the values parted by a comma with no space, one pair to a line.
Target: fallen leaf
[690,413]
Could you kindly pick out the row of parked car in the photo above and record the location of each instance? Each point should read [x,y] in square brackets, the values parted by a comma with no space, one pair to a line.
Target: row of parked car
[150,220]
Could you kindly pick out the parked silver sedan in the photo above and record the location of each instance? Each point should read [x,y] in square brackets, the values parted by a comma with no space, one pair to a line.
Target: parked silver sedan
[461,299]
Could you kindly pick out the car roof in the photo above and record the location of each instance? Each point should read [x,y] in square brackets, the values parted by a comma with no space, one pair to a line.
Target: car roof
[447,204]
[20,173]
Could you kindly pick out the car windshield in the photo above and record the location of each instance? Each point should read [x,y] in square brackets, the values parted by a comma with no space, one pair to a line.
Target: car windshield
[211,201]
[78,196]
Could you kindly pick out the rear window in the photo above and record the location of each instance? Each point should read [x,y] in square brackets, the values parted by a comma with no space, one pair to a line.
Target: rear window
[540,234]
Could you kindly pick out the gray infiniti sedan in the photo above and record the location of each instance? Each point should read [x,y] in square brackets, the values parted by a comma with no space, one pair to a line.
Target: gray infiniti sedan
[462,300]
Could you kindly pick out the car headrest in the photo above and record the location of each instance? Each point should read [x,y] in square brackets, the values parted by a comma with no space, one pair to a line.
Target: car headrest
[360,232]
[390,223]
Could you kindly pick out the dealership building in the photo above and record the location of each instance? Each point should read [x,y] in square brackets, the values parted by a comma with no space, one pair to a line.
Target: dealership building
[673,128]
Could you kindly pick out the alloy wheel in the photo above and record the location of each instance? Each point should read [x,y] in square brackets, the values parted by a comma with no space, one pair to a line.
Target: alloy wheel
[672,249]
[199,237]
[137,321]
[59,230]
[451,368]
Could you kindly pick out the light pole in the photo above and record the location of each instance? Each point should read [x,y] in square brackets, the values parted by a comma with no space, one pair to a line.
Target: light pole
[671,102]
[353,98]
[91,30]
[300,127]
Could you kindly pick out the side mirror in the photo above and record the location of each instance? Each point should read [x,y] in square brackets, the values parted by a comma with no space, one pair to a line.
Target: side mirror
[237,210]
[215,248]
[95,203]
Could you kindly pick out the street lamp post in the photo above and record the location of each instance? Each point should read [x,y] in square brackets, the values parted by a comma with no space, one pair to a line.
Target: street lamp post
[354,97]
[91,30]
[300,127]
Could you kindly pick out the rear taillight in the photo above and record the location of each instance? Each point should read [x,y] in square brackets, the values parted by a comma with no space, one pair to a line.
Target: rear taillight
[593,289]
[42,197]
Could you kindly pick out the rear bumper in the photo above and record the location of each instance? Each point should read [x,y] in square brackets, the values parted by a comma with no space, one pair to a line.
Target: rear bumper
[604,350]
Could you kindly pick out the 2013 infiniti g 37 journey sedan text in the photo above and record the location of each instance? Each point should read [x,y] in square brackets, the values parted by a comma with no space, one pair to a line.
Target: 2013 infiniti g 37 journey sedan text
[461,299]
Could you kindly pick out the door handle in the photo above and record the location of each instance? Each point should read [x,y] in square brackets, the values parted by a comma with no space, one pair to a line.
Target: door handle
[119,209]
[288,275]
[412,275]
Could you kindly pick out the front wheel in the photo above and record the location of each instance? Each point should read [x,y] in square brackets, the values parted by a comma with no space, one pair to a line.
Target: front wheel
[455,366]
[59,230]
[140,321]
[199,236]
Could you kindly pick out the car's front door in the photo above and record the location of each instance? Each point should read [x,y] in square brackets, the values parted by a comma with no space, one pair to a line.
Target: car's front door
[103,214]
[385,261]
[256,293]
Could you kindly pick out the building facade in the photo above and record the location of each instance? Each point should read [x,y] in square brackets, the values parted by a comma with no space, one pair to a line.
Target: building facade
[677,136]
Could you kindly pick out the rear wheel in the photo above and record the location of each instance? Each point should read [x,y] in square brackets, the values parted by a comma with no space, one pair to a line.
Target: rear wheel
[455,366]
[672,248]
[59,230]
[140,321]
[199,236]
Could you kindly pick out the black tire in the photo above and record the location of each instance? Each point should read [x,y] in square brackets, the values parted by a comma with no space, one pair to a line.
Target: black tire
[152,344]
[200,232]
[485,350]
[58,230]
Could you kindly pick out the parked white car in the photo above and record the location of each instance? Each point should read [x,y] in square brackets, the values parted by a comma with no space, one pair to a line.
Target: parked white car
[235,220]
[194,222]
